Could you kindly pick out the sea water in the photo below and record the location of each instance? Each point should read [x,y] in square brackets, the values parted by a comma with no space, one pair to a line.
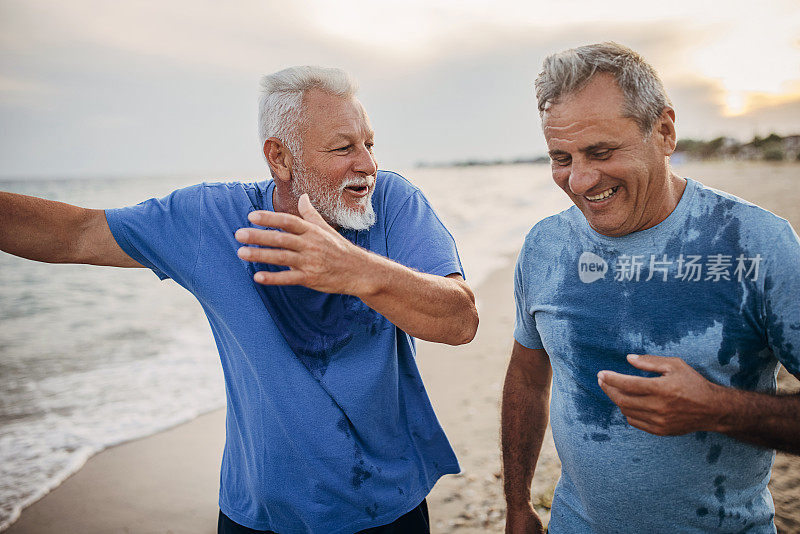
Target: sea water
[94,356]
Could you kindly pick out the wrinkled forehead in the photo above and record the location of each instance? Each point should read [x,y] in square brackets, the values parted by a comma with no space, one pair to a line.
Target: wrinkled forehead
[322,107]
[600,98]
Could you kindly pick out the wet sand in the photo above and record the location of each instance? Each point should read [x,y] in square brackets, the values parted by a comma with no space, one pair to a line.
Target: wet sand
[168,482]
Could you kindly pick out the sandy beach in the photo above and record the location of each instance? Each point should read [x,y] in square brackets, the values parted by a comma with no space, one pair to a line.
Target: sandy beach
[168,482]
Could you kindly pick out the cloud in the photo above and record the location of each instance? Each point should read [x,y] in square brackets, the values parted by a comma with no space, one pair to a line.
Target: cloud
[143,87]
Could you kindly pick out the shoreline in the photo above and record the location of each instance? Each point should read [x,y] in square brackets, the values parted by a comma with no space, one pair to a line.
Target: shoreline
[125,488]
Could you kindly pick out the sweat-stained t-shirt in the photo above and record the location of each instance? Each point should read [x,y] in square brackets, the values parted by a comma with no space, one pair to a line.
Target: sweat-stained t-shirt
[717,284]
[329,427]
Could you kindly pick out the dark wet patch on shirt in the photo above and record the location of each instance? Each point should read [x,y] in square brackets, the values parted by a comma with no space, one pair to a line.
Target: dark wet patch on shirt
[702,511]
[636,460]
[592,406]
[317,325]
[344,426]
[372,511]
[740,331]
[400,490]
[598,436]
[776,329]
[713,454]
[361,469]
[359,476]
[719,492]
[701,436]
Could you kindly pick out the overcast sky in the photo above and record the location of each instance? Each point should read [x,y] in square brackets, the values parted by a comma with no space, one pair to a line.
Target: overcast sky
[92,87]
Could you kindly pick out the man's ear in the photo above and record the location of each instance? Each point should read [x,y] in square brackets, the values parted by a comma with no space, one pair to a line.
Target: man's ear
[279,158]
[666,130]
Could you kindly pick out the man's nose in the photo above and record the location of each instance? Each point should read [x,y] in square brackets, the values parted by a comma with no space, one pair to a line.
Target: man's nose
[365,162]
[582,178]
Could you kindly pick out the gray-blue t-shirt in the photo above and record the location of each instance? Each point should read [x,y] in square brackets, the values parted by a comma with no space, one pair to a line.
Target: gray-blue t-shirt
[329,428]
[716,284]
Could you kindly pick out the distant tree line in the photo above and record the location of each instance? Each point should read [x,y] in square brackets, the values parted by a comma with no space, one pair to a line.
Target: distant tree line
[770,148]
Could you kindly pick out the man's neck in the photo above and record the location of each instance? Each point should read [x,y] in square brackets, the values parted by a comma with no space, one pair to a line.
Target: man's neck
[675,186]
[283,200]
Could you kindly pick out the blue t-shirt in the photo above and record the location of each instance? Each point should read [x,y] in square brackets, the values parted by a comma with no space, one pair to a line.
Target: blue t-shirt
[716,284]
[337,435]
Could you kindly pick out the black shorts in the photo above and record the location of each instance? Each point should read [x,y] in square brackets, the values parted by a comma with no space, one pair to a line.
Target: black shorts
[414,522]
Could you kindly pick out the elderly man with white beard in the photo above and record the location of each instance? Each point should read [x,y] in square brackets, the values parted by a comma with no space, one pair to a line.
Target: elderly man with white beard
[329,428]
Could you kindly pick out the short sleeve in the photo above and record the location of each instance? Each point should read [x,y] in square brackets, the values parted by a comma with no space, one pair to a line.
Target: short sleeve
[162,234]
[782,298]
[417,239]
[525,331]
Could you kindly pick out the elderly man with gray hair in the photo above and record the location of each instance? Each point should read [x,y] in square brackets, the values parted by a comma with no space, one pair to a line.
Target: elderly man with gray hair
[329,428]
[659,309]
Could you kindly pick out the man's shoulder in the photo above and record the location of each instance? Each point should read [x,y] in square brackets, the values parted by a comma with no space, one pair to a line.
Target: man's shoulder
[394,186]
[549,238]
[726,207]
[394,194]
[234,193]
[222,187]
[554,227]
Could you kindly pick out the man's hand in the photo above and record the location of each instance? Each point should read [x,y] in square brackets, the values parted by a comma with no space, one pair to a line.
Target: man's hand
[318,257]
[425,306]
[523,519]
[677,402]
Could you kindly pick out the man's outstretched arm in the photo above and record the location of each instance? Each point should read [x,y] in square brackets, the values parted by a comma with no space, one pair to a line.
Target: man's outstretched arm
[54,232]
[433,308]
[682,401]
[525,412]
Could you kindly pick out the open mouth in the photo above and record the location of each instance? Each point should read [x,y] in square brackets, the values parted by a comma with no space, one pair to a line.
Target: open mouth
[603,195]
[357,189]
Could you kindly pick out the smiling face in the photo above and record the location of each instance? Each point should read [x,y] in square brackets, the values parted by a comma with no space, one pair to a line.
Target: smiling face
[337,167]
[618,177]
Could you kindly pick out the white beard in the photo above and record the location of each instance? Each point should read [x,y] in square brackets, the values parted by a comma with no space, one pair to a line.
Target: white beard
[330,202]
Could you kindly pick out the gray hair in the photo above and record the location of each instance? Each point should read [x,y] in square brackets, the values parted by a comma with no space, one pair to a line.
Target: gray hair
[280,107]
[569,71]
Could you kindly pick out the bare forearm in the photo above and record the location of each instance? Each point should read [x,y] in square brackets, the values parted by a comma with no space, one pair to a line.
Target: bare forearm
[433,308]
[771,421]
[525,413]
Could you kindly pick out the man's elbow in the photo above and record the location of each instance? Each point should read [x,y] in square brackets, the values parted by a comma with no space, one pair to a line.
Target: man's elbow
[470,328]
[466,322]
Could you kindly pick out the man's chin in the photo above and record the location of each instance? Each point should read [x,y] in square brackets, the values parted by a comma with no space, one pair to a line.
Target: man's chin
[356,219]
